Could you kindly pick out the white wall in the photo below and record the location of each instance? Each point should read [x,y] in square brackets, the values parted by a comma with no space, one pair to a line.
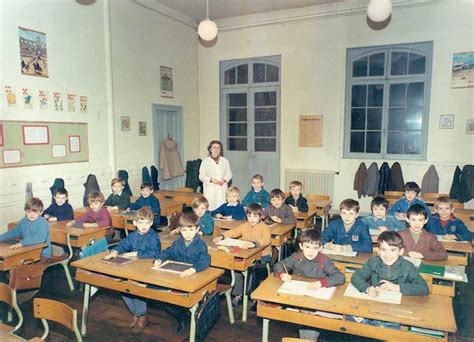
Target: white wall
[76,59]
[142,40]
[313,53]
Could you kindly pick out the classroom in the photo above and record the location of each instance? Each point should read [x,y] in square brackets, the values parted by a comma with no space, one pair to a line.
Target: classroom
[189,106]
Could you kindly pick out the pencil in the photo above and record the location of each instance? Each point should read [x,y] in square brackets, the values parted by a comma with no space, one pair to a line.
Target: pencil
[286,271]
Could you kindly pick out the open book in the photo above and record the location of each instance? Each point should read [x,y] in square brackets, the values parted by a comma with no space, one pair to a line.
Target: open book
[300,288]
[328,251]
[391,297]
[228,242]
[173,266]
[441,239]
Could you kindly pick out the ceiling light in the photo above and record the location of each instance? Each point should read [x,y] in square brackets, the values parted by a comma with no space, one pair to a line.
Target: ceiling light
[207,29]
[379,10]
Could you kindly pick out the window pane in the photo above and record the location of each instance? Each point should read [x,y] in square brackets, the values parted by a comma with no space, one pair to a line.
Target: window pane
[237,144]
[359,67]
[265,144]
[267,98]
[395,143]
[265,129]
[396,118]
[399,63]
[358,118]
[413,118]
[375,98]
[415,94]
[272,73]
[416,64]
[374,118]
[258,72]
[359,95]
[373,142]
[412,143]
[237,114]
[237,100]
[242,74]
[265,114]
[377,64]
[357,141]
[238,129]
[229,76]
[397,95]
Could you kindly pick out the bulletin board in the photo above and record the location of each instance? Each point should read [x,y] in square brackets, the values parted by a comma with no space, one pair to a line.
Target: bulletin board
[29,143]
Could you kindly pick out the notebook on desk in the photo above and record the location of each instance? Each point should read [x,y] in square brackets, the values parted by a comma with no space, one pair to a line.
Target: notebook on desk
[173,267]
[228,242]
[300,288]
[328,251]
[391,297]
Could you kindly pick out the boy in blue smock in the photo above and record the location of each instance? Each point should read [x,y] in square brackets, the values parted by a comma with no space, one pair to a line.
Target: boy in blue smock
[400,208]
[348,233]
[446,224]
[32,229]
[232,209]
[189,248]
[147,199]
[380,220]
[257,193]
[60,209]
[145,244]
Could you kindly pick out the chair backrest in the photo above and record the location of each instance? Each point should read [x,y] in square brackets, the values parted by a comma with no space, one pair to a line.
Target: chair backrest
[184,189]
[434,195]
[5,294]
[318,197]
[393,194]
[25,277]
[51,310]
[458,205]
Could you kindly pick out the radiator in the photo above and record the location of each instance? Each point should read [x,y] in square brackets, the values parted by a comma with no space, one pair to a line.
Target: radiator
[315,182]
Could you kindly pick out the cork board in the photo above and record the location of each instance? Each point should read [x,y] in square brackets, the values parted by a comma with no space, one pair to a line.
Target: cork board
[311,131]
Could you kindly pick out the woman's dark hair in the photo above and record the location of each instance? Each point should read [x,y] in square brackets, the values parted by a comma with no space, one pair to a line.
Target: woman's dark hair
[213,142]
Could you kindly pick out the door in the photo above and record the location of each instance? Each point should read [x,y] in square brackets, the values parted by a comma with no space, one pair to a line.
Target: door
[250,119]
[168,122]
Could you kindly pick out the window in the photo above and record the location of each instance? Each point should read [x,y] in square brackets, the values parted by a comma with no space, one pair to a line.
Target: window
[387,101]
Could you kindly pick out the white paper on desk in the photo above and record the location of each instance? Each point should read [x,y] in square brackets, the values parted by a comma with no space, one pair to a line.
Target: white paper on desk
[391,297]
[328,251]
[414,261]
[232,243]
[374,232]
[300,288]
[455,272]
[442,239]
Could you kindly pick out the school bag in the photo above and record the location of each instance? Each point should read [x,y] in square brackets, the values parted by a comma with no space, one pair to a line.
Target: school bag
[207,314]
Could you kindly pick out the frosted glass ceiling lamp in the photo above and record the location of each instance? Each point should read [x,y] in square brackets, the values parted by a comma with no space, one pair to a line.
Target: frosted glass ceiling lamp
[207,29]
[379,10]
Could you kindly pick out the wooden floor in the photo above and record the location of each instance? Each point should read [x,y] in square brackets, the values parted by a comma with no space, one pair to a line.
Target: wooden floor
[108,318]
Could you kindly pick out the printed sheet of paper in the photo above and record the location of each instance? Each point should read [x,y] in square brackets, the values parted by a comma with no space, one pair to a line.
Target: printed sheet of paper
[35,135]
[59,151]
[11,157]
[391,297]
[300,288]
[414,261]
[228,242]
[311,131]
[328,251]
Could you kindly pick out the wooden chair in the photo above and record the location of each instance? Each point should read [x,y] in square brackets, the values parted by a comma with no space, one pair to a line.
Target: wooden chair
[47,309]
[62,260]
[393,194]
[22,277]
[458,205]
[311,206]
[434,195]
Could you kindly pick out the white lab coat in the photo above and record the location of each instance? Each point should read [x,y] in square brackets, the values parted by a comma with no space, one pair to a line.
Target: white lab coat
[214,193]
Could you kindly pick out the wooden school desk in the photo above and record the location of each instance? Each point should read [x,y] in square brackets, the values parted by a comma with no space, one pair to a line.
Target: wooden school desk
[134,277]
[322,208]
[7,336]
[13,257]
[305,220]
[179,196]
[413,311]
[239,260]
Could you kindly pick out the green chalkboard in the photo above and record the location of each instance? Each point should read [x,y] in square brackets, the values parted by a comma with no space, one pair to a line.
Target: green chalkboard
[28,143]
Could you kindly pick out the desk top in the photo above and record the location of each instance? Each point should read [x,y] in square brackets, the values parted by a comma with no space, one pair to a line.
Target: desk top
[7,336]
[319,203]
[61,227]
[6,252]
[303,216]
[414,310]
[277,229]
[140,270]
[174,193]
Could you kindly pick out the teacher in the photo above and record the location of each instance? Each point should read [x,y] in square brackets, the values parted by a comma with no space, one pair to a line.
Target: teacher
[215,173]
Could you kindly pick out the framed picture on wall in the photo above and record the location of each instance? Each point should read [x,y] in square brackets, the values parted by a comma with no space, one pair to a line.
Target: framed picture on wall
[33,54]
[142,128]
[446,121]
[470,126]
[125,123]
[166,81]
[35,135]
[1,134]
[462,71]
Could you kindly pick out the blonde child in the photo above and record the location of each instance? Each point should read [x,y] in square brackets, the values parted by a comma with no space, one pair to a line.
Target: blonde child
[96,215]
[446,224]
[118,199]
[232,209]
[296,201]
[257,194]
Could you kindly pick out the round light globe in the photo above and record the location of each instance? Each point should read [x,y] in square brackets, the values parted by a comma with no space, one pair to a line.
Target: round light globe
[379,10]
[207,30]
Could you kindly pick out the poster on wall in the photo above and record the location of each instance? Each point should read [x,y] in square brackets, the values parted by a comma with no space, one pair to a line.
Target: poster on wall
[10,94]
[33,54]
[35,135]
[58,102]
[27,98]
[311,131]
[142,128]
[463,70]
[166,81]
[83,104]
[125,123]
[71,102]
[43,99]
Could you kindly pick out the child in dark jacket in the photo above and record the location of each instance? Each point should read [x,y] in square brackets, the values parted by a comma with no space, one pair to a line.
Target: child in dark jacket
[145,243]
[380,221]
[188,249]
[232,209]
[446,224]
[400,208]
[118,199]
[60,209]
[309,262]
[147,199]
[296,201]
[348,233]
[389,271]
